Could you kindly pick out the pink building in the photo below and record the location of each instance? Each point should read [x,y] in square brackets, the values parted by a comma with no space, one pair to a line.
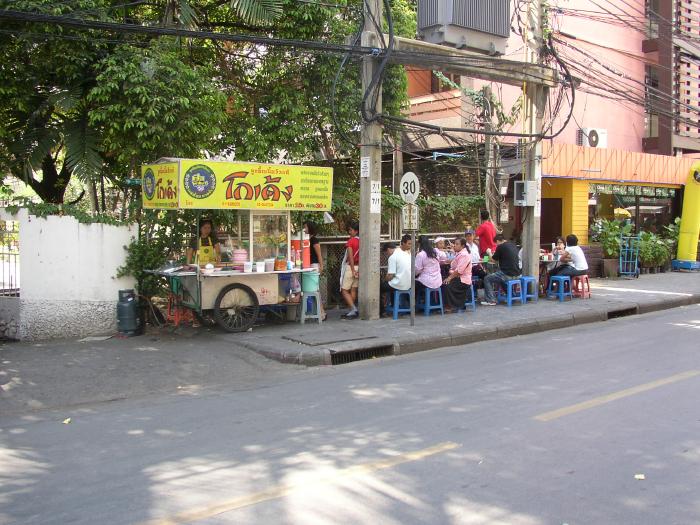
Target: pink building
[632,58]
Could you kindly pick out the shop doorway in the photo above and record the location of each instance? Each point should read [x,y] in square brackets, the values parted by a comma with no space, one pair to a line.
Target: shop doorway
[551,222]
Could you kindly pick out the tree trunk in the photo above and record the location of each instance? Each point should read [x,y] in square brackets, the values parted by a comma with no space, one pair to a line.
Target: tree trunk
[92,192]
[52,187]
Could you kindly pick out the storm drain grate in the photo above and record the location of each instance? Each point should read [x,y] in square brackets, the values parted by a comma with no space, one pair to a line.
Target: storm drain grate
[343,358]
[615,314]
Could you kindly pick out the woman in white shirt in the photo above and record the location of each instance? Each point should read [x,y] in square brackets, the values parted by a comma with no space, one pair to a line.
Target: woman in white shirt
[477,269]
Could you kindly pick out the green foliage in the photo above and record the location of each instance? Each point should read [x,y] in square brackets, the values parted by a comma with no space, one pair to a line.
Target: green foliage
[45,209]
[149,103]
[486,100]
[670,235]
[44,79]
[449,213]
[608,234]
[257,11]
[82,103]
[653,250]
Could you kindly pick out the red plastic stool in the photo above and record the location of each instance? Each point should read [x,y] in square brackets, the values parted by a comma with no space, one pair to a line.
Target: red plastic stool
[581,286]
[178,314]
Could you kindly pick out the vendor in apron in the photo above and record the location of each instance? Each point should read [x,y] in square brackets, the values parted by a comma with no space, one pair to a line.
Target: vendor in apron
[206,247]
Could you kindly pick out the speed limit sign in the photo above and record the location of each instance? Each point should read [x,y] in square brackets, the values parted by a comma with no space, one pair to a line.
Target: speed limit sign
[409,187]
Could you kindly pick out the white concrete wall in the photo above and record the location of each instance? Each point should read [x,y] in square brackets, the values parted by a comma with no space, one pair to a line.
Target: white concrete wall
[69,284]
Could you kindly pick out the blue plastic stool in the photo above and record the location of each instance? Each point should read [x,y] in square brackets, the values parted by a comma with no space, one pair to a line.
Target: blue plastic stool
[310,305]
[525,282]
[514,292]
[472,302]
[561,282]
[396,308]
[428,305]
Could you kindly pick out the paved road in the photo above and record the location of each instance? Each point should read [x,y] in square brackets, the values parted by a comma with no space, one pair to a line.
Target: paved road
[543,429]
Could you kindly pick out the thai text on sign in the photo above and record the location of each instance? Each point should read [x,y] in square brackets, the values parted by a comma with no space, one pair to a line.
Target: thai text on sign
[159,183]
[206,184]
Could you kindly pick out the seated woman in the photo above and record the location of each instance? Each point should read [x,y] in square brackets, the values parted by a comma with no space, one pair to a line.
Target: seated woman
[458,283]
[427,267]
[206,246]
[573,261]
[441,248]
[559,248]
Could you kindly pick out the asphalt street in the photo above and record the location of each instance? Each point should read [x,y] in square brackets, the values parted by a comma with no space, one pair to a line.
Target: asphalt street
[593,424]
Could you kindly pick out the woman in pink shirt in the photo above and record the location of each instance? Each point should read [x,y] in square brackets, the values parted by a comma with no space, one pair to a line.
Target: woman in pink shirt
[458,284]
[427,267]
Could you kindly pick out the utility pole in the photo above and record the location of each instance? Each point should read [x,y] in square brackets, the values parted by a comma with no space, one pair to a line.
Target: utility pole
[395,229]
[370,173]
[535,97]
[490,196]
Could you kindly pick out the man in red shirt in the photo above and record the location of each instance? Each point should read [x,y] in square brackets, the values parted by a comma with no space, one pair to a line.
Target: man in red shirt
[350,279]
[486,232]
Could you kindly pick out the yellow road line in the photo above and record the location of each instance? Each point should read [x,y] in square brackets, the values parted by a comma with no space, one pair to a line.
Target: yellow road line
[280,491]
[597,401]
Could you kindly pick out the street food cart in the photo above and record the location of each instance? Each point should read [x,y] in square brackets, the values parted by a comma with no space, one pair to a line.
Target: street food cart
[260,261]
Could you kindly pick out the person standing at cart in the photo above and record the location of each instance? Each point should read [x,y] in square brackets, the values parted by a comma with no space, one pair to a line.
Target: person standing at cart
[350,276]
[206,246]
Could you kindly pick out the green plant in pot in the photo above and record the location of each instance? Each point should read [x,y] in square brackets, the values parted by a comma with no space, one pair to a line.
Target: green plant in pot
[609,233]
[653,251]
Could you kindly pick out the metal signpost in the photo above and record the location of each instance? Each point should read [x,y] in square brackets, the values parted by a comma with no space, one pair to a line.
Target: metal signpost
[409,188]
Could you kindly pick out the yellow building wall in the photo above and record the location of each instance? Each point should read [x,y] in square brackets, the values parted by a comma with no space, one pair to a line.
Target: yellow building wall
[574,205]
[579,210]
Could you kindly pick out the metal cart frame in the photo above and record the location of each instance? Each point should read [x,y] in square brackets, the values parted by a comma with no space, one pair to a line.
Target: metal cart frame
[629,256]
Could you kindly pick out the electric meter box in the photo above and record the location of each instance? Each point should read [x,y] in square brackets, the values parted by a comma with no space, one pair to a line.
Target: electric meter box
[525,193]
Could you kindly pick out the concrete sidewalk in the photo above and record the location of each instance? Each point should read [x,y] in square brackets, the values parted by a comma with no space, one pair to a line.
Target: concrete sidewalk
[190,362]
[336,340]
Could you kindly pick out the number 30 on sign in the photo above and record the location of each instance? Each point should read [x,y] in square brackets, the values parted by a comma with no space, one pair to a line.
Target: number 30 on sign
[409,187]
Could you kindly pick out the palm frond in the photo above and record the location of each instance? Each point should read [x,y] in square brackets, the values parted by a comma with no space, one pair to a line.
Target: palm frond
[188,16]
[66,99]
[82,155]
[257,11]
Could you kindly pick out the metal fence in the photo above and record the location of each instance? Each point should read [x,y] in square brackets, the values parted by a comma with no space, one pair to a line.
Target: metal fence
[9,259]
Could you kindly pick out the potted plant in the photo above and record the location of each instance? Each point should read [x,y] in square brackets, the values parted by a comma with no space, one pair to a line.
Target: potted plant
[609,233]
[669,236]
[647,255]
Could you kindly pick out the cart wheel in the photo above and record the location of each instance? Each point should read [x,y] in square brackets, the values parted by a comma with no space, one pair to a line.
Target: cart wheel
[206,318]
[236,308]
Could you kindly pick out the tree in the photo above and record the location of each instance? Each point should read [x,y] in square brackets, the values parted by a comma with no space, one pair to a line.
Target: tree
[148,103]
[95,105]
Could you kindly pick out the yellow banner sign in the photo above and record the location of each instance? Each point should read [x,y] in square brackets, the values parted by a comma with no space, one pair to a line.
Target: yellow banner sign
[250,186]
[159,184]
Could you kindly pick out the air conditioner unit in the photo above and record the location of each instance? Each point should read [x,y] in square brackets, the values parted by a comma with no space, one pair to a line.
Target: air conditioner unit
[480,25]
[592,137]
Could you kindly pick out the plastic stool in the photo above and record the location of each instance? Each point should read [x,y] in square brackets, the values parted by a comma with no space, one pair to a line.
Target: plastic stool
[514,292]
[472,302]
[306,298]
[428,305]
[525,282]
[561,282]
[395,308]
[581,286]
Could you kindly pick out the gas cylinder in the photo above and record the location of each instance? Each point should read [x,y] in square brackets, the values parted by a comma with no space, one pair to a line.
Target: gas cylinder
[128,320]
